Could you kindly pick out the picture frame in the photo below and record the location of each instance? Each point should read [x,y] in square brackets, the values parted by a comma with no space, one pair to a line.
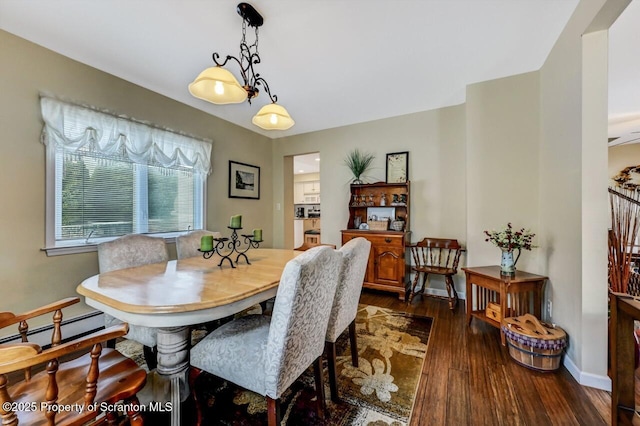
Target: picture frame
[397,167]
[244,180]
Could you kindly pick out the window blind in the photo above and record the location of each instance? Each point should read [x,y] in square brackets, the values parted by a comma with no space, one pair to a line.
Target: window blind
[114,177]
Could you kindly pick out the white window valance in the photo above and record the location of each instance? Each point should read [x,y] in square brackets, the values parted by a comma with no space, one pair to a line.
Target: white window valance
[77,128]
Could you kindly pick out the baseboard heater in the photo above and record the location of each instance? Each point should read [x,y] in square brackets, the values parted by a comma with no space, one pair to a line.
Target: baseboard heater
[72,328]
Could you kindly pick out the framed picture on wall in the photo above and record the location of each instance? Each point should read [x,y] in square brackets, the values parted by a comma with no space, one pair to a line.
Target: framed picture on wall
[398,167]
[244,181]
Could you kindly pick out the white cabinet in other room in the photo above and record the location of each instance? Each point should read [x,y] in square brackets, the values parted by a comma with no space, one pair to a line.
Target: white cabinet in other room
[298,193]
[312,187]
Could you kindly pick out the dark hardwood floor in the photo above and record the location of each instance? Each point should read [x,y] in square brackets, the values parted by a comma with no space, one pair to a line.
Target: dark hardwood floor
[470,379]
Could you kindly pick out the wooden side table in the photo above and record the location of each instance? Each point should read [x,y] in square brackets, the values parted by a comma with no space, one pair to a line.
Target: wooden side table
[517,294]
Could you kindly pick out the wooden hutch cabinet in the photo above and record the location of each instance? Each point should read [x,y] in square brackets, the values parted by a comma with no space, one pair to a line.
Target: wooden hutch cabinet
[386,269]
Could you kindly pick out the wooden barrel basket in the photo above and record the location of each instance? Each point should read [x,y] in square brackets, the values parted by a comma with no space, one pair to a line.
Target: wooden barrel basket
[533,343]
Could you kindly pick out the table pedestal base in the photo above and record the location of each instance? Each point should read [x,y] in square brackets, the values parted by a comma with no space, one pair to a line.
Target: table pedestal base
[169,382]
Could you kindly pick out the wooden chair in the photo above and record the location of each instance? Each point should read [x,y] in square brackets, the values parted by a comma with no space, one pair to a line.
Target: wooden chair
[267,354]
[438,256]
[76,387]
[355,256]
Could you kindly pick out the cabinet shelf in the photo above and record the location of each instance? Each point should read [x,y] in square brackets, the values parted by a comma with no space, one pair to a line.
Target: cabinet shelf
[386,269]
[372,193]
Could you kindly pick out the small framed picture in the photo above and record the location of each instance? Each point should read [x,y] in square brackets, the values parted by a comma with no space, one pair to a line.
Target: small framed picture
[398,167]
[244,180]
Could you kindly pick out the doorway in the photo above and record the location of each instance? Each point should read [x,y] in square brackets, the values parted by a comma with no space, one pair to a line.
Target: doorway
[306,199]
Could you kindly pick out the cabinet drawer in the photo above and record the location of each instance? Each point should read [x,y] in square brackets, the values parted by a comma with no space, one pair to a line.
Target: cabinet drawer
[392,240]
[387,240]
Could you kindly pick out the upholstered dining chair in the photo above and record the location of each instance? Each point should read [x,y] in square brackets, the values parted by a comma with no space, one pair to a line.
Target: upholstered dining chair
[99,376]
[267,354]
[355,255]
[187,245]
[437,256]
[126,252]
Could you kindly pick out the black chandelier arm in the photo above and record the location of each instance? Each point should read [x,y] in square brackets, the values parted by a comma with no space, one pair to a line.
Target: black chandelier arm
[216,57]
[243,71]
[261,81]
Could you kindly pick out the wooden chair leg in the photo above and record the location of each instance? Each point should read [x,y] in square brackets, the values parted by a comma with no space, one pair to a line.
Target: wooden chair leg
[330,350]
[451,291]
[424,282]
[273,411]
[151,356]
[354,343]
[413,287]
[134,416]
[111,418]
[9,417]
[317,373]
[194,373]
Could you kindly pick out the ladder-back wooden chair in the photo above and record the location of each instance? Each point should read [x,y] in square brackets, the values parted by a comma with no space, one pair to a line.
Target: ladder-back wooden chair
[72,387]
[438,256]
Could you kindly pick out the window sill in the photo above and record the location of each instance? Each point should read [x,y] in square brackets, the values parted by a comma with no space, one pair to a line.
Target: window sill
[76,248]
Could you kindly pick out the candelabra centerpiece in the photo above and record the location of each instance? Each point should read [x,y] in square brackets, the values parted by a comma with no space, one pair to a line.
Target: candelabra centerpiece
[233,244]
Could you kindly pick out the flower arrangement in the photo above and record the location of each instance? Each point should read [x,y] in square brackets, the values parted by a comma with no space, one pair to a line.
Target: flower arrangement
[509,239]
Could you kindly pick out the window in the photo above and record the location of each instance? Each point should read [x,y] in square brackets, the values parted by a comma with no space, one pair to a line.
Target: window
[109,176]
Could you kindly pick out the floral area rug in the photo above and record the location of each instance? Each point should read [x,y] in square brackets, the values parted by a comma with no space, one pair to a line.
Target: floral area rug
[392,347]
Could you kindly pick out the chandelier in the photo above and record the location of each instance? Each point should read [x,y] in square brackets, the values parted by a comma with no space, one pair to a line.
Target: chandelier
[217,85]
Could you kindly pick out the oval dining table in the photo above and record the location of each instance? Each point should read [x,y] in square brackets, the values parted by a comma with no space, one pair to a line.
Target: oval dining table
[175,295]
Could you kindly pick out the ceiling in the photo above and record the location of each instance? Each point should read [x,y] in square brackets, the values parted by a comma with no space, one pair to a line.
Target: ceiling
[307,163]
[624,77]
[331,63]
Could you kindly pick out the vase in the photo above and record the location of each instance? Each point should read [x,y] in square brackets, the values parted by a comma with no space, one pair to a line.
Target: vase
[507,264]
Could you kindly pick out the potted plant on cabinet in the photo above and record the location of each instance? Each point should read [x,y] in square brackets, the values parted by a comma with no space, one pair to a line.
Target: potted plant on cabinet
[358,162]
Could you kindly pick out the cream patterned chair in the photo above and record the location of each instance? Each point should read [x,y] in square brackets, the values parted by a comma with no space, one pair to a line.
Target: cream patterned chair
[267,354]
[187,245]
[355,255]
[126,252]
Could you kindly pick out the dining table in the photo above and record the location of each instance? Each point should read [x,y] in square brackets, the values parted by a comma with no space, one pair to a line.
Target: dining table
[176,295]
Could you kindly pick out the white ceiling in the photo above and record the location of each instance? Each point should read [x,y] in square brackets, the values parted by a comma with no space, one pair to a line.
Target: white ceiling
[307,163]
[331,63]
[624,77]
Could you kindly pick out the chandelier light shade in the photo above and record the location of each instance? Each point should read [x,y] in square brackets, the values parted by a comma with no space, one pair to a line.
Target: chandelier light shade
[273,117]
[219,86]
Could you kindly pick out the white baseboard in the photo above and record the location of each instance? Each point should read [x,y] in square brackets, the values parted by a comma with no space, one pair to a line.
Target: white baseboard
[443,293]
[71,327]
[587,379]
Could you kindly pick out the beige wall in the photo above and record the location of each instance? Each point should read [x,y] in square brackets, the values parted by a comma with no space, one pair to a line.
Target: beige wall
[436,144]
[502,164]
[28,277]
[622,156]
[570,209]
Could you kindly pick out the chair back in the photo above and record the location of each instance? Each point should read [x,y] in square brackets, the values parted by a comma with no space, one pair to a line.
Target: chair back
[187,245]
[437,254]
[131,250]
[97,376]
[300,316]
[355,256]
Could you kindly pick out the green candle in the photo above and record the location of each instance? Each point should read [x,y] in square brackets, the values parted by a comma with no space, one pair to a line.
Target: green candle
[236,222]
[257,235]
[206,243]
